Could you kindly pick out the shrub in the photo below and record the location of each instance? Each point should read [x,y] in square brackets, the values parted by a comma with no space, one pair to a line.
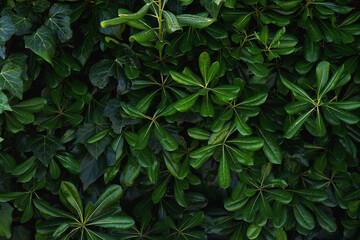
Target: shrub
[179,119]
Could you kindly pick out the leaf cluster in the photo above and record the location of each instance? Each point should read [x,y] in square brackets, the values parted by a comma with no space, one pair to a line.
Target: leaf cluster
[179,119]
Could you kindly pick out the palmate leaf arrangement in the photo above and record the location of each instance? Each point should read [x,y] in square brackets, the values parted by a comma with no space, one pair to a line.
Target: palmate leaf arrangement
[179,119]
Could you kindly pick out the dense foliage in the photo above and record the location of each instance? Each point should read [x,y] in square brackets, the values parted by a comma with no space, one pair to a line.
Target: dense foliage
[179,119]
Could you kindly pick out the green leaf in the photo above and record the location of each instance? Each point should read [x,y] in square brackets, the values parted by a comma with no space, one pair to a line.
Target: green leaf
[198,133]
[70,197]
[350,19]
[159,192]
[259,70]
[5,197]
[179,194]
[42,42]
[281,196]
[108,198]
[166,140]
[242,21]
[138,15]
[304,217]
[320,125]
[130,173]
[85,132]
[144,136]
[243,128]
[5,220]
[311,50]
[278,35]
[255,100]
[44,147]
[313,195]
[213,71]
[113,22]
[101,72]
[272,17]
[172,23]
[10,79]
[192,221]
[59,21]
[226,92]
[198,153]
[248,143]
[204,65]
[224,178]
[4,105]
[143,36]
[293,87]
[322,75]
[54,169]
[7,162]
[280,234]
[184,79]
[313,31]
[207,108]
[346,105]
[98,136]
[271,148]
[242,157]
[115,222]
[343,115]
[32,105]
[187,102]
[253,231]
[194,21]
[68,162]
[296,125]
[234,205]
[132,111]
[332,82]
[297,107]
[7,29]
[325,221]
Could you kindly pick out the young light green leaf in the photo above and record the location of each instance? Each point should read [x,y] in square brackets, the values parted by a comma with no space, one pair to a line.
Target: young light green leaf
[138,15]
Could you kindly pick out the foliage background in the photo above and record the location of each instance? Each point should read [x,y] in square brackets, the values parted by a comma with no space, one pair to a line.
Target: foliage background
[257,138]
